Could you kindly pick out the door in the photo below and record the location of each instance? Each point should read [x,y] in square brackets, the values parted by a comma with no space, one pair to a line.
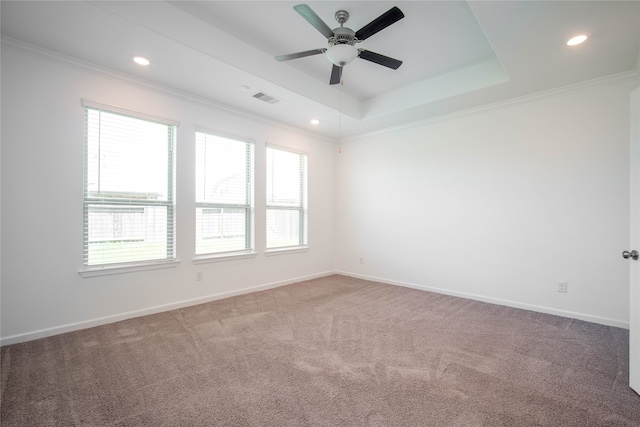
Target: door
[634,264]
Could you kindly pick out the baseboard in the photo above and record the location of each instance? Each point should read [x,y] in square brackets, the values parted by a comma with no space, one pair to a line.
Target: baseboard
[56,330]
[70,327]
[508,303]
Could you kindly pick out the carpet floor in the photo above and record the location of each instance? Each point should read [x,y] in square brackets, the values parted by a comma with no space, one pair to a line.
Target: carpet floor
[334,351]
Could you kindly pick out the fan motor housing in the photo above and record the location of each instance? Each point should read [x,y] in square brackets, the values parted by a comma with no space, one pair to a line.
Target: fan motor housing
[343,35]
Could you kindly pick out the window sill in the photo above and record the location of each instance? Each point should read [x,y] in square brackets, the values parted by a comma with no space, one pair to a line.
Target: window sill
[230,256]
[126,268]
[284,251]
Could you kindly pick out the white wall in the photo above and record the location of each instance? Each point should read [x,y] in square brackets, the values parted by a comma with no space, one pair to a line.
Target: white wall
[42,161]
[498,204]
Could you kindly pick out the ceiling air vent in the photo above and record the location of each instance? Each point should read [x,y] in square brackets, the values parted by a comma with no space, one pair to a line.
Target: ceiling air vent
[266,98]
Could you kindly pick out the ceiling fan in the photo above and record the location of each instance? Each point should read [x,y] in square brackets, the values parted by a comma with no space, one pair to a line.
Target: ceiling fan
[342,40]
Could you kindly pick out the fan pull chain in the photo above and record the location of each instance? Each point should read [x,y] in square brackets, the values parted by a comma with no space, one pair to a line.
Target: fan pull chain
[340,117]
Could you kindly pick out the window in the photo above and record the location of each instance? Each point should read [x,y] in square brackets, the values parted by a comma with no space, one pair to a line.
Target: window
[128,189]
[286,198]
[224,195]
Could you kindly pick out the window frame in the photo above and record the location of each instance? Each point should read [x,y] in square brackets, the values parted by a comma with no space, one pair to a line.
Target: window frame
[92,270]
[249,207]
[302,208]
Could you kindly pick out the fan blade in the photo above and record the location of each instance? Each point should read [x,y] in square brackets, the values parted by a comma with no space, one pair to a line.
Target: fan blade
[290,56]
[307,13]
[380,23]
[379,59]
[336,75]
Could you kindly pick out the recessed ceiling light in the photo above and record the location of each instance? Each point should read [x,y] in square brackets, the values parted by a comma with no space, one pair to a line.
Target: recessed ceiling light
[141,60]
[315,121]
[577,40]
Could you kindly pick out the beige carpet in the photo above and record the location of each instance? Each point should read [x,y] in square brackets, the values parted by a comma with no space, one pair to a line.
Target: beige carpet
[335,351]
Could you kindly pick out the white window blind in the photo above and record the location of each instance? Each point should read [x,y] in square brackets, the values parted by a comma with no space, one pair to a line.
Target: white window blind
[128,189]
[224,195]
[286,198]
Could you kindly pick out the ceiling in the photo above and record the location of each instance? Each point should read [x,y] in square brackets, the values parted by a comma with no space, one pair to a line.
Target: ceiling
[456,54]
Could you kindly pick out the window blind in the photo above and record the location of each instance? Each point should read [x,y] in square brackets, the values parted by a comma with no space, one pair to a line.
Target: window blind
[286,198]
[129,205]
[224,194]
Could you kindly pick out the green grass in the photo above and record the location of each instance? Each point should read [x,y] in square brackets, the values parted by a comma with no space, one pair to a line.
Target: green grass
[219,245]
[118,252]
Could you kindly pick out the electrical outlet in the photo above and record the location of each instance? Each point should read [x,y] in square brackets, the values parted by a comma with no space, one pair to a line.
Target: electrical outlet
[361,260]
[198,276]
[562,287]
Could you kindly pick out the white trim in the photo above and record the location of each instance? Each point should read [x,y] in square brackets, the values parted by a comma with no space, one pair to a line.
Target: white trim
[85,66]
[99,321]
[107,270]
[288,250]
[227,256]
[224,135]
[601,81]
[70,327]
[82,65]
[285,148]
[617,323]
[114,109]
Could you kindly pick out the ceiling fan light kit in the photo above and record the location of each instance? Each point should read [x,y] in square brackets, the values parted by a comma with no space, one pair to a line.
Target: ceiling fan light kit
[341,54]
[342,40]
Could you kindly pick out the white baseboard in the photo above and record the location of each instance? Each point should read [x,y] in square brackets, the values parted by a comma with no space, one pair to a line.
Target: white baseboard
[618,323]
[70,327]
[42,333]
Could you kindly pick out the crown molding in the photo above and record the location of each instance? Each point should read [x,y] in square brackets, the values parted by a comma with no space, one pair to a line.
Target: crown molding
[601,81]
[104,72]
[107,73]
